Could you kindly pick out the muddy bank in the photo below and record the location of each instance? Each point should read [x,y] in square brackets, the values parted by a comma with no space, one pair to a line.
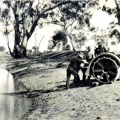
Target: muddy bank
[43,83]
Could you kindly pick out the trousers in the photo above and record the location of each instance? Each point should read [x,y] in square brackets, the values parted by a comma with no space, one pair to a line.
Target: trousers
[72,71]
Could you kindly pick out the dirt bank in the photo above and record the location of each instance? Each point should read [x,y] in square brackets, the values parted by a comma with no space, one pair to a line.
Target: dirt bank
[44,84]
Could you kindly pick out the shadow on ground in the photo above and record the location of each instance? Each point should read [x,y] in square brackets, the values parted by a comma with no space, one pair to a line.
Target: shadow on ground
[35,93]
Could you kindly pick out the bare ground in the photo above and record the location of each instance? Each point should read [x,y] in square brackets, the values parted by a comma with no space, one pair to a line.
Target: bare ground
[44,83]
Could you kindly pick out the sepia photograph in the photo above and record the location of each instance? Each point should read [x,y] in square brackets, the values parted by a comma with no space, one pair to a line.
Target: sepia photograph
[59,59]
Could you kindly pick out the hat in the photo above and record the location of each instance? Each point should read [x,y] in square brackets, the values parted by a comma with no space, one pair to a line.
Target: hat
[80,54]
[99,43]
[88,47]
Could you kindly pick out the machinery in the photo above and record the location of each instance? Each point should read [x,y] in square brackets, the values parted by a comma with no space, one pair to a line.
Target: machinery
[105,67]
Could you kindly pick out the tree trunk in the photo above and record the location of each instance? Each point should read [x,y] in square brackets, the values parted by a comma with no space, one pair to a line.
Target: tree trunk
[11,53]
[19,51]
[118,11]
[17,32]
[71,42]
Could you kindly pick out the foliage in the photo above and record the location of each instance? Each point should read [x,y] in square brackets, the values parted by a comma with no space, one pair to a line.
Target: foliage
[35,49]
[59,36]
[73,18]
[24,16]
[2,48]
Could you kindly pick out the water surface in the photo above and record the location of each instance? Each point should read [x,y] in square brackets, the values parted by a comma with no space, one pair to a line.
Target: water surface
[12,107]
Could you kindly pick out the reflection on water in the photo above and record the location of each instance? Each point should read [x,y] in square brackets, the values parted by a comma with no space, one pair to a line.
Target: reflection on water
[12,107]
[6,82]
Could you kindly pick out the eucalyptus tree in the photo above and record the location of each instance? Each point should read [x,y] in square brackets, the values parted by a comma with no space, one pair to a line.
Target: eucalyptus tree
[22,17]
[73,18]
[114,27]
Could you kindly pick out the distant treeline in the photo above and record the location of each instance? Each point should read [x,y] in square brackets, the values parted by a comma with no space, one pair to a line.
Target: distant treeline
[2,48]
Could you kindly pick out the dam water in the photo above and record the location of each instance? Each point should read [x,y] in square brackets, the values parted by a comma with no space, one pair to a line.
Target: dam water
[12,107]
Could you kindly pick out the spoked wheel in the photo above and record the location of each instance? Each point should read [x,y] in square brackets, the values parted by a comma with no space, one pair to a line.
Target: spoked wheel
[104,68]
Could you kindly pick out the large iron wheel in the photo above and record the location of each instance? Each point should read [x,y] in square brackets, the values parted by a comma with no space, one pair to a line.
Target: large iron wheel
[104,68]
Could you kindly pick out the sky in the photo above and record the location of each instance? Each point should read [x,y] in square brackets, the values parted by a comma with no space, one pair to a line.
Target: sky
[101,19]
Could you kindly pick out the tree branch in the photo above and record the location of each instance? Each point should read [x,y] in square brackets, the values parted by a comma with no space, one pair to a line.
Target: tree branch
[53,22]
[59,4]
[48,9]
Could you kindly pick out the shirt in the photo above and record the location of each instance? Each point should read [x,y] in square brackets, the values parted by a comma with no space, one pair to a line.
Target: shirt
[75,63]
[100,50]
[90,55]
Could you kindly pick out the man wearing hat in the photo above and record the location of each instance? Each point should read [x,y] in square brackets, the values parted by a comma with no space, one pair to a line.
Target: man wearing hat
[74,67]
[100,49]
